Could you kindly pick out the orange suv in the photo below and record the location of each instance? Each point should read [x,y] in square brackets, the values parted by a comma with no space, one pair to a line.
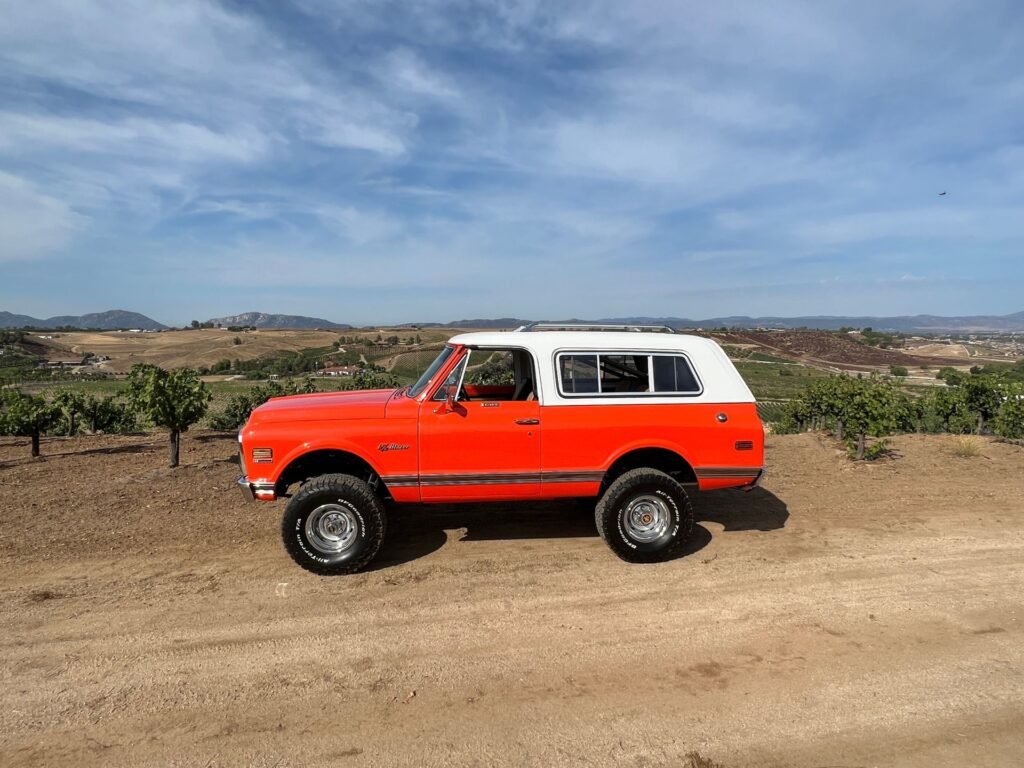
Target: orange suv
[626,415]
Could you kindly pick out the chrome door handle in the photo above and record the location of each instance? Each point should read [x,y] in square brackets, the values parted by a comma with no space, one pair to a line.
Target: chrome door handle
[527,422]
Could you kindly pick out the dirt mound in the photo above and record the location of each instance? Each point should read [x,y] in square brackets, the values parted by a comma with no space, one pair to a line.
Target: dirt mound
[857,614]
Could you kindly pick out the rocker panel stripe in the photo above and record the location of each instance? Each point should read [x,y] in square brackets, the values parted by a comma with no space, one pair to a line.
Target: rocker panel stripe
[484,478]
[580,476]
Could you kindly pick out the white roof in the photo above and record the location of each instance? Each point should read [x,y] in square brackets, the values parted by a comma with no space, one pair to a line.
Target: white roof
[720,380]
[548,341]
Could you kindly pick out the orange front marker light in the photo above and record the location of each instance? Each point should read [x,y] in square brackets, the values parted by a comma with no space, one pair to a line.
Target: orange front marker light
[262,455]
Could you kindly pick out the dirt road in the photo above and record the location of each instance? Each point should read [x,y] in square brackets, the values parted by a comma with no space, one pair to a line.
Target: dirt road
[843,616]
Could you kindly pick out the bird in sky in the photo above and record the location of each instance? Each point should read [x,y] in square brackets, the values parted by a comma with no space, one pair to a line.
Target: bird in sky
[941,194]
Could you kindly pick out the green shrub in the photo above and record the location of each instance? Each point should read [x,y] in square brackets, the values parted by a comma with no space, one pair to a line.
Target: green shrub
[240,406]
[1009,422]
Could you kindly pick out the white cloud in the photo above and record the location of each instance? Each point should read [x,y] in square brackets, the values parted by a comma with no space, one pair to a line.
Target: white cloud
[405,70]
[33,224]
[152,141]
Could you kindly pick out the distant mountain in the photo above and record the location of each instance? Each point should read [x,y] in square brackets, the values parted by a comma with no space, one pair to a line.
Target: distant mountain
[105,321]
[7,320]
[902,324]
[263,320]
[500,322]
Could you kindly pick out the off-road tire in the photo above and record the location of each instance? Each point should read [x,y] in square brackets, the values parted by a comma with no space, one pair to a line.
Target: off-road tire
[353,501]
[667,500]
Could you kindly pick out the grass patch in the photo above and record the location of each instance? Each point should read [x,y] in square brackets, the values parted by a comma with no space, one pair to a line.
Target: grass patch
[966,446]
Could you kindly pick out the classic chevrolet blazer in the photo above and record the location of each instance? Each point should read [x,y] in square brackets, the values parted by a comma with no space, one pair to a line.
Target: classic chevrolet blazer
[631,419]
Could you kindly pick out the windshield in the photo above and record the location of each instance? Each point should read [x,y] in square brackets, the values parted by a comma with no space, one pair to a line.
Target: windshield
[431,372]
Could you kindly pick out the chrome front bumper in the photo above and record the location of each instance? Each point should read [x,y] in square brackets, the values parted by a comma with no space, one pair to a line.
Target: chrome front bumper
[257,490]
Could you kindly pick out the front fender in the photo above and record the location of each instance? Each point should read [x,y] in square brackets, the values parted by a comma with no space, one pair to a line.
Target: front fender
[331,444]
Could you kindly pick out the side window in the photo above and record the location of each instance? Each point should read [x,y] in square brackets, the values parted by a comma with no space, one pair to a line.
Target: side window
[672,373]
[625,373]
[578,373]
[492,368]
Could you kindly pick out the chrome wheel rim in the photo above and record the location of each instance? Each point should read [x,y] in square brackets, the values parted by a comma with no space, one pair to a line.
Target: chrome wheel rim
[332,529]
[646,518]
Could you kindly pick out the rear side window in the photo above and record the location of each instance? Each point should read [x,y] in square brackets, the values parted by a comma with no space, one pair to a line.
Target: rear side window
[673,373]
[579,374]
[626,374]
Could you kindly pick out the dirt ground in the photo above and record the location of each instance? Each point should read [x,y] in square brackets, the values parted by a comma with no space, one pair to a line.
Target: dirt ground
[844,615]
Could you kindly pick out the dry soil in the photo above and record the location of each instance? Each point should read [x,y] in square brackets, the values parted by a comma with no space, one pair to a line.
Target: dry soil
[844,615]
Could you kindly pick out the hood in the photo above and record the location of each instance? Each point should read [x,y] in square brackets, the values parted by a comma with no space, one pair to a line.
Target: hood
[321,406]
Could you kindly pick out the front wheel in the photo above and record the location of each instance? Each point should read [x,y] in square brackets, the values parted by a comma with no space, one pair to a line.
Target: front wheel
[644,516]
[334,525]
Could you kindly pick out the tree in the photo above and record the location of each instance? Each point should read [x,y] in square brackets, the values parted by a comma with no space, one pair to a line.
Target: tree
[863,407]
[898,370]
[984,396]
[174,400]
[71,404]
[950,375]
[373,377]
[108,415]
[1009,422]
[26,416]
[875,409]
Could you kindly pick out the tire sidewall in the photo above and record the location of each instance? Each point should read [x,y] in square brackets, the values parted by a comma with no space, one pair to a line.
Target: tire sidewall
[351,494]
[611,509]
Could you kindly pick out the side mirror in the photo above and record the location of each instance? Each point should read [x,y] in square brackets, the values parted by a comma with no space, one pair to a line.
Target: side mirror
[450,393]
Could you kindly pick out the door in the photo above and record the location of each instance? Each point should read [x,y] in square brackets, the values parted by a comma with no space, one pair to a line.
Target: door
[479,448]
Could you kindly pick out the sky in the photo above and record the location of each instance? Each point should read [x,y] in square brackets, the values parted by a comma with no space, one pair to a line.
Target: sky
[378,162]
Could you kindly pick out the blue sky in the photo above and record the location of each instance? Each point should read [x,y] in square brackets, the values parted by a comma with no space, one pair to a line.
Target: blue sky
[374,162]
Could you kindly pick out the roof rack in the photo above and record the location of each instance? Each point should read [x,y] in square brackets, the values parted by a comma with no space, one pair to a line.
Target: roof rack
[542,326]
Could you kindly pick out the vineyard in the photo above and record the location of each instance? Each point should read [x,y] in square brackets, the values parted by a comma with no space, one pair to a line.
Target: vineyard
[855,409]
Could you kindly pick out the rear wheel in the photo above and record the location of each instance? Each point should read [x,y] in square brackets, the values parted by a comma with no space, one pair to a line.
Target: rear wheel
[334,525]
[644,516]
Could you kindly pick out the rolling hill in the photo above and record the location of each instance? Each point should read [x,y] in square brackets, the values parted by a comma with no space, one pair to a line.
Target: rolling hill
[264,320]
[111,320]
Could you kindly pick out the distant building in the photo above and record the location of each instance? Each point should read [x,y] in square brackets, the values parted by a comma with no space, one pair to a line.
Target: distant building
[339,370]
